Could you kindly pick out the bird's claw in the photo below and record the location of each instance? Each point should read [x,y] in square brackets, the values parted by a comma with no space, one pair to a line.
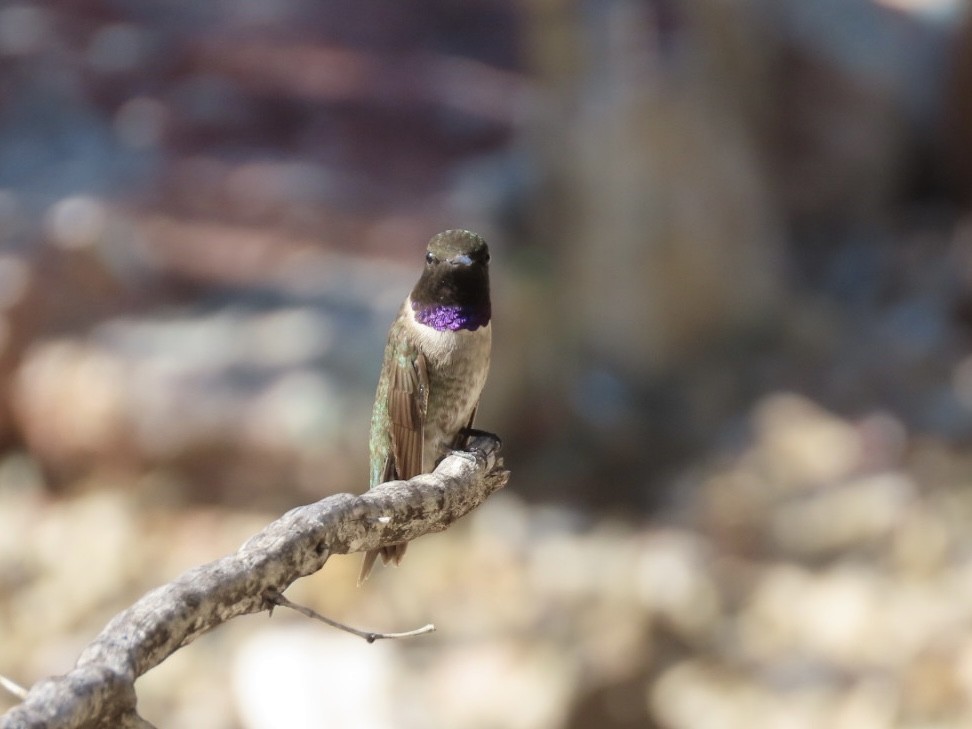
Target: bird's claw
[480,444]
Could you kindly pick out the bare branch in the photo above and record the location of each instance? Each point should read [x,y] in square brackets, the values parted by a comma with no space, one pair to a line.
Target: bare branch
[13,688]
[277,599]
[100,690]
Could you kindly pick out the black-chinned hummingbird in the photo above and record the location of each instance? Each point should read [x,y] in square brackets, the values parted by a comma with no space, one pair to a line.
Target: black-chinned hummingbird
[435,366]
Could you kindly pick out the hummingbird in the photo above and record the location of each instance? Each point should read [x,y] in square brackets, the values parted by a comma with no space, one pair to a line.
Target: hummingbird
[435,365]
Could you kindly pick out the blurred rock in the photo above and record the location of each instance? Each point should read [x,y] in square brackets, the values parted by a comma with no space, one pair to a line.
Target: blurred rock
[801,446]
[852,515]
[674,583]
[189,390]
[304,677]
[533,682]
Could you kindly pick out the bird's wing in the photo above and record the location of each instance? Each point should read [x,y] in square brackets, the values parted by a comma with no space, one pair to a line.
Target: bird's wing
[404,390]
[408,399]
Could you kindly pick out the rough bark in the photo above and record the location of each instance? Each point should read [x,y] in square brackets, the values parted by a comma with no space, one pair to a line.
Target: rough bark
[100,690]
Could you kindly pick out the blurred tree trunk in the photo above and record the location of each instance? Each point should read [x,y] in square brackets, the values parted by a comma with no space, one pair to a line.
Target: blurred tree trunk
[655,188]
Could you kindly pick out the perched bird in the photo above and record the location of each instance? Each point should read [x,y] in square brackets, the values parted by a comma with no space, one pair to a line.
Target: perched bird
[435,366]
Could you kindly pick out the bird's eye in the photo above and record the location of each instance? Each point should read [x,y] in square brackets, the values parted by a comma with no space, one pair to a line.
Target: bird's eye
[430,259]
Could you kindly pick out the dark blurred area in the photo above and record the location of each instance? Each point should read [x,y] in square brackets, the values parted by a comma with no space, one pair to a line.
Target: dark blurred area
[732,280]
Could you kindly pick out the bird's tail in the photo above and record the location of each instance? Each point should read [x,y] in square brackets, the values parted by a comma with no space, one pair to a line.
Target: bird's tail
[394,554]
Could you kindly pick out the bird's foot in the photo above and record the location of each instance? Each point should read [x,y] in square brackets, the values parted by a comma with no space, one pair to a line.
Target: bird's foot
[479,444]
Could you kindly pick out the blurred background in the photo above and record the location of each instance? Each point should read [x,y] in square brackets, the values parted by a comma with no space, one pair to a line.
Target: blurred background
[732,278]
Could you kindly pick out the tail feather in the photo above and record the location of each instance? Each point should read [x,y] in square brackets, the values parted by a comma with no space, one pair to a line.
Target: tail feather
[366,566]
[393,554]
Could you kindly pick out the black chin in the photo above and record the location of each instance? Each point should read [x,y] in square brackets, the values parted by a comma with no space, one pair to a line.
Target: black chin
[445,284]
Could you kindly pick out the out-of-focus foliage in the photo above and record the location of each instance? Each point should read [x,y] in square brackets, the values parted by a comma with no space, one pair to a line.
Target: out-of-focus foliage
[732,270]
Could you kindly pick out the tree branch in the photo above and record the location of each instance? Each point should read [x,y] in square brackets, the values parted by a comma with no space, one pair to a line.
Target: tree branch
[100,690]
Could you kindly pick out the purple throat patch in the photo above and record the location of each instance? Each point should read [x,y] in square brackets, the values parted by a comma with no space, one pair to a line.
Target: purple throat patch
[451,318]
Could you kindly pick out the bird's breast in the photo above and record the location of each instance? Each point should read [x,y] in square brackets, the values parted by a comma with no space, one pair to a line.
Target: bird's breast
[458,363]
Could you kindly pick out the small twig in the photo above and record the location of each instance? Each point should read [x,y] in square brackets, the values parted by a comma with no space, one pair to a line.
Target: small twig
[275,598]
[14,688]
